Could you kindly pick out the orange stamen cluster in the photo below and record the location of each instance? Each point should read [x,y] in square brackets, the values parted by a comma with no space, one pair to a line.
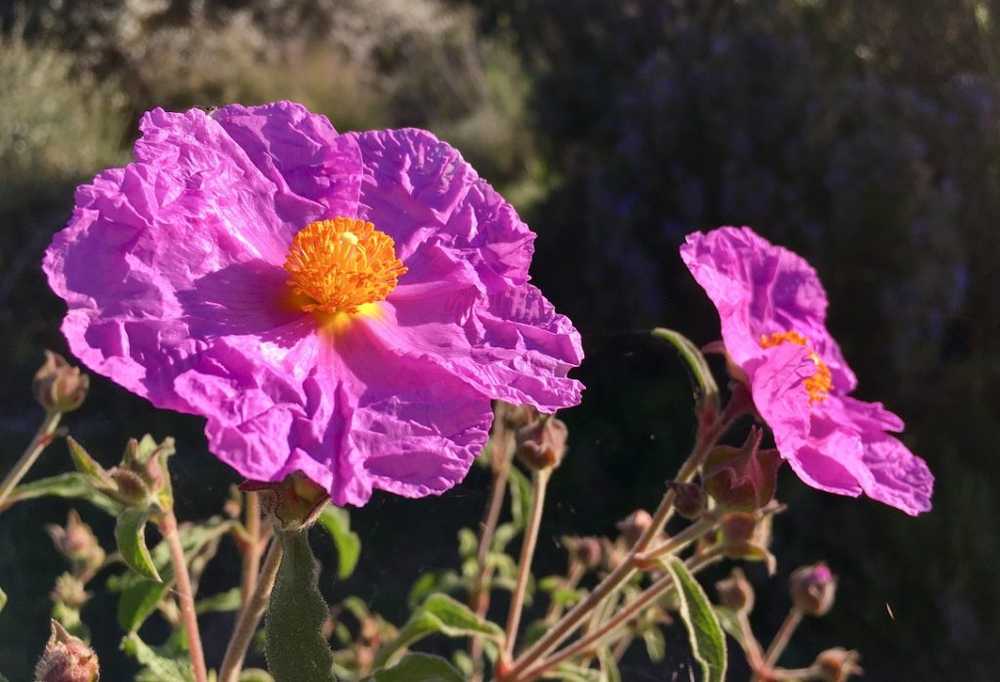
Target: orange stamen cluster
[335,266]
[819,384]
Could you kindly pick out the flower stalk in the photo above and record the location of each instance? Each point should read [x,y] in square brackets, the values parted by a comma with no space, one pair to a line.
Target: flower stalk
[250,615]
[39,442]
[185,596]
[540,481]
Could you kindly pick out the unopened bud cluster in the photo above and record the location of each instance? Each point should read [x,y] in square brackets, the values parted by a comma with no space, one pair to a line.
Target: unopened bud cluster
[77,542]
[67,659]
[59,387]
[743,478]
[293,503]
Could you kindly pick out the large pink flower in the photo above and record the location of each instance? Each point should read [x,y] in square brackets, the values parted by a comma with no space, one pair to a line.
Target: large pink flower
[773,312]
[344,305]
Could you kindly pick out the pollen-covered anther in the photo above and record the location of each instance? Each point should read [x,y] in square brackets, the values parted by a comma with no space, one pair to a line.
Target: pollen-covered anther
[337,265]
[819,384]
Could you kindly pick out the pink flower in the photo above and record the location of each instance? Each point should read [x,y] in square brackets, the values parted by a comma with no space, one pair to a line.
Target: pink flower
[346,306]
[773,312]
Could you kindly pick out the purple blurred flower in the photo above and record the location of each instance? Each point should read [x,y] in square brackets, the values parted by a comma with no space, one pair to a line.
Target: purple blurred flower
[773,312]
[346,306]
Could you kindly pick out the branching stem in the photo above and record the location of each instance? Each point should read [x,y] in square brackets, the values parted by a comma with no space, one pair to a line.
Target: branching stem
[27,459]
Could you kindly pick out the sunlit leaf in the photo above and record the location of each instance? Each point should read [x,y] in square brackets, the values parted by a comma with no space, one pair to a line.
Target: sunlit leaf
[3,599]
[86,464]
[708,642]
[656,647]
[255,675]
[156,667]
[439,614]
[296,649]
[337,522]
[420,668]
[468,543]
[707,391]
[609,666]
[71,486]
[230,600]
[130,534]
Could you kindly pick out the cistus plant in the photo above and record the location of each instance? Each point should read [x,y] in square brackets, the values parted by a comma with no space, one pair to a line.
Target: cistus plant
[352,312]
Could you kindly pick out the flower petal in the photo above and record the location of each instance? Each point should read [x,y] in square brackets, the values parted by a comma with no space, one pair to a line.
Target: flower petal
[760,289]
[899,478]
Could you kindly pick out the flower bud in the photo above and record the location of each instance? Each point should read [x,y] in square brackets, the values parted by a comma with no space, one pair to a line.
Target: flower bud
[742,478]
[293,503]
[736,592]
[837,665]
[613,553]
[76,541]
[66,659]
[59,387]
[813,589]
[743,535]
[542,444]
[70,592]
[142,478]
[634,525]
[515,417]
[689,500]
[586,551]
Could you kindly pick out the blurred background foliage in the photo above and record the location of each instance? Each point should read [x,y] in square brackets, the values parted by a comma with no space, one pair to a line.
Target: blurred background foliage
[863,134]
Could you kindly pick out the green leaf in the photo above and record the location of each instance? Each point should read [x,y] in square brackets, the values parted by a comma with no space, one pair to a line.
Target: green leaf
[87,465]
[130,534]
[705,387]
[71,486]
[255,675]
[337,522]
[609,666]
[420,668]
[296,649]
[656,647]
[230,600]
[140,595]
[439,614]
[156,667]
[3,599]
[567,672]
[521,497]
[468,543]
[708,642]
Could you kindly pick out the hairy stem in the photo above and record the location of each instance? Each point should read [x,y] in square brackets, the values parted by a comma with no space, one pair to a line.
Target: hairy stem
[782,638]
[253,549]
[680,541]
[708,436]
[540,481]
[185,596]
[250,615]
[28,458]
[623,616]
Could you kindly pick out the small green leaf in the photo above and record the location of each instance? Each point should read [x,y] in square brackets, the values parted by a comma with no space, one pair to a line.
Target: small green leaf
[87,465]
[156,667]
[708,642]
[230,600]
[609,666]
[521,497]
[255,675]
[656,647]
[130,534]
[3,599]
[337,522]
[468,543]
[439,614]
[71,486]
[420,668]
[568,672]
[138,602]
[705,387]
[296,650]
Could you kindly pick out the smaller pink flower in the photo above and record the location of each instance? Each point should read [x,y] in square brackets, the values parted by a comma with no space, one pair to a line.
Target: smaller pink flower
[773,312]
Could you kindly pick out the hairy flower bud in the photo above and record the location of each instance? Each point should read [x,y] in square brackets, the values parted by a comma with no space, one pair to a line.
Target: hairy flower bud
[76,541]
[837,665]
[689,499]
[293,503]
[58,386]
[813,589]
[736,592]
[634,525]
[514,417]
[70,592]
[587,551]
[742,478]
[66,659]
[142,478]
[542,444]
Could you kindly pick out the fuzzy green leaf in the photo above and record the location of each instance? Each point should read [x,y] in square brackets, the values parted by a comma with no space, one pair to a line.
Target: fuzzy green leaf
[337,522]
[156,666]
[255,675]
[230,600]
[71,486]
[420,668]
[701,375]
[708,641]
[439,614]
[521,497]
[3,599]
[86,464]
[296,649]
[130,534]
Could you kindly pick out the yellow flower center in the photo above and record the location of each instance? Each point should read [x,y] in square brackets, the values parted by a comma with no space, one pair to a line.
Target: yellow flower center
[336,266]
[819,384]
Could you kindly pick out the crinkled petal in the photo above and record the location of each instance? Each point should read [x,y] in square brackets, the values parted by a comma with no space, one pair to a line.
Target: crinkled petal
[417,188]
[760,289]
[301,153]
[899,478]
